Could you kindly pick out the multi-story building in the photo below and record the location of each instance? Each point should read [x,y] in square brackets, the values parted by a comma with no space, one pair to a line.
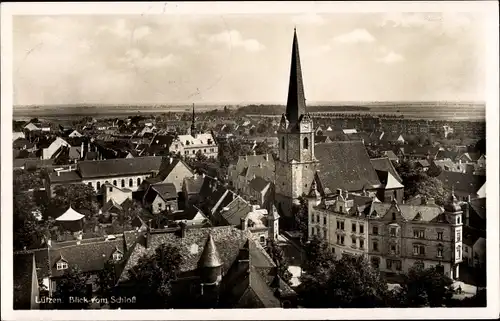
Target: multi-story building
[393,236]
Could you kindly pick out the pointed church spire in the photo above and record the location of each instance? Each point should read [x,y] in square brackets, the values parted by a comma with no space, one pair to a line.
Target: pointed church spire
[210,257]
[296,103]
[193,125]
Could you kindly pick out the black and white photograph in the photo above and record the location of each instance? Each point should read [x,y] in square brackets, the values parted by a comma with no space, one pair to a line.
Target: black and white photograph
[217,156]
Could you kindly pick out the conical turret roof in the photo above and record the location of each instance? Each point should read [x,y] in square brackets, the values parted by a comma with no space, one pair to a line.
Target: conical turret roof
[210,256]
[70,215]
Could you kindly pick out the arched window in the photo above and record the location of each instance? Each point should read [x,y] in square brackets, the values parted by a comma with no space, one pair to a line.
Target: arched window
[98,186]
[306,143]
[138,181]
[130,183]
[90,184]
[123,183]
[282,142]
[114,182]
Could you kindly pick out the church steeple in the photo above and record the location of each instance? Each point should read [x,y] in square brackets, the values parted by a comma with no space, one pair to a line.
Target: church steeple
[296,103]
[193,124]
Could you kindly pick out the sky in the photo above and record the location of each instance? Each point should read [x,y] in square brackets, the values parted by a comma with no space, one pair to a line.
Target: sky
[162,59]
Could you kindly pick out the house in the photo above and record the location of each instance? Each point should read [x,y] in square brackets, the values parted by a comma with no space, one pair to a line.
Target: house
[391,156]
[191,216]
[188,145]
[248,167]
[173,170]
[121,172]
[24,144]
[160,197]
[214,260]
[261,191]
[32,127]
[469,157]
[393,236]
[75,133]
[392,138]
[26,290]
[54,147]
[16,135]
[116,194]
[464,184]
[450,166]
[475,248]
[422,164]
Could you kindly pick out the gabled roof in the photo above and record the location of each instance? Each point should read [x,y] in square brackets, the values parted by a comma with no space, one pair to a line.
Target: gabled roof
[89,256]
[168,166]
[385,165]
[345,165]
[233,212]
[479,207]
[166,191]
[390,154]
[428,213]
[471,236]
[463,182]
[65,177]
[119,167]
[193,184]
[258,184]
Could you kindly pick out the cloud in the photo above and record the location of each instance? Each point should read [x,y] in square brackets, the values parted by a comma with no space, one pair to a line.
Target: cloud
[308,19]
[390,57]
[119,29]
[141,32]
[234,39]
[135,58]
[355,36]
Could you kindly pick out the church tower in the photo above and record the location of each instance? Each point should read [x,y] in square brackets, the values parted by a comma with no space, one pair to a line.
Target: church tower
[193,131]
[296,163]
[453,213]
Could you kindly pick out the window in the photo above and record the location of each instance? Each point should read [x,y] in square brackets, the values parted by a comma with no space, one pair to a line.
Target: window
[375,262]
[418,234]
[353,242]
[62,265]
[361,244]
[392,231]
[90,184]
[342,225]
[312,231]
[375,230]
[325,233]
[361,228]
[333,250]
[111,189]
[466,249]
[338,225]
[439,251]
[306,143]
[114,182]
[324,220]
[340,239]
[459,236]
[282,142]
[389,264]
[262,239]
[398,265]
[317,218]
[123,183]
[186,152]
[393,216]
[418,249]
[375,246]
[458,219]
[459,252]
[138,181]
[393,249]
[160,206]
[341,209]
[98,185]
[354,227]
[440,235]
[194,152]
[117,256]
[130,183]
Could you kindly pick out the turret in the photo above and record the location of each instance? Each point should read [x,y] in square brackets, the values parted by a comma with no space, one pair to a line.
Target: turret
[210,264]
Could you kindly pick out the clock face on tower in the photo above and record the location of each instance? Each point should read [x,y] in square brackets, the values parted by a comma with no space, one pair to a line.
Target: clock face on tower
[306,127]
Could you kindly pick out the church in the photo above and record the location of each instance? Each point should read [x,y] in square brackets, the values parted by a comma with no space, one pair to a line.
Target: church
[304,167]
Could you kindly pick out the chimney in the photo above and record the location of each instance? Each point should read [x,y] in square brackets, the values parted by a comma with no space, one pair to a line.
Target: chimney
[466,213]
[468,198]
[346,194]
[254,153]
[49,242]
[267,157]
[243,224]
[81,151]
[339,191]
[58,173]
[170,160]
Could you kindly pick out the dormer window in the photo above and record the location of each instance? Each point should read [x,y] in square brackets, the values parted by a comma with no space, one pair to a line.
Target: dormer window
[117,256]
[393,216]
[61,265]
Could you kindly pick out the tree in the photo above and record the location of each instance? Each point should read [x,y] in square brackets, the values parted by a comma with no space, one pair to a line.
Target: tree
[81,197]
[24,180]
[301,218]
[152,277]
[279,258]
[317,255]
[434,170]
[350,282]
[426,287]
[430,187]
[106,279]
[72,285]
[27,231]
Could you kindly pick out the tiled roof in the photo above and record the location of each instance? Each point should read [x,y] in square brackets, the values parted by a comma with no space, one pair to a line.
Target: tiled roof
[119,167]
[470,236]
[384,164]
[227,239]
[168,166]
[462,181]
[235,211]
[65,177]
[258,184]
[479,206]
[345,165]
[193,184]
[423,163]
[428,213]
[165,190]
[88,256]
[444,154]
[390,154]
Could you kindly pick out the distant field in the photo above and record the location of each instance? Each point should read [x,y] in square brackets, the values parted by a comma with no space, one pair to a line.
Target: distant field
[410,110]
